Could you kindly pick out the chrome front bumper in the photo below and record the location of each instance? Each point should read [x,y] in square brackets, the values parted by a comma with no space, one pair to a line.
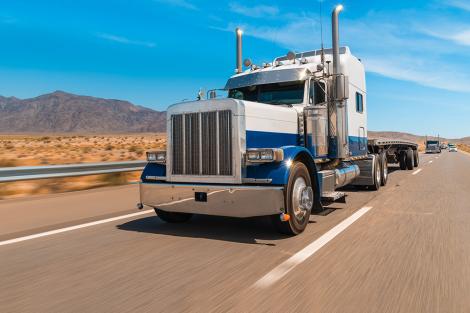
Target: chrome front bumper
[222,200]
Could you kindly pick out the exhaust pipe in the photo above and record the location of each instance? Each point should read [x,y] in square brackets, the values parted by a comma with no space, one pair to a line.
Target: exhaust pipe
[335,37]
[340,85]
[238,33]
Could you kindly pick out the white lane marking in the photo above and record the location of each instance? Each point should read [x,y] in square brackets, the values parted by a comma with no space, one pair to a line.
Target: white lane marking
[417,171]
[285,267]
[430,161]
[66,229]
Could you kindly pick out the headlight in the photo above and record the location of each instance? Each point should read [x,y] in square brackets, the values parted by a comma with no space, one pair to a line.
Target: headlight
[264,155]
[157,157]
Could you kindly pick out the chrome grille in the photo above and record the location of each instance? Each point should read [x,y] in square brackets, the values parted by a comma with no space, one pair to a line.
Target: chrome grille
[202,143]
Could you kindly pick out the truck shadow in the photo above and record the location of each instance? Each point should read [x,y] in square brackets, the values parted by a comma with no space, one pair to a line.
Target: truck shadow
[241,230]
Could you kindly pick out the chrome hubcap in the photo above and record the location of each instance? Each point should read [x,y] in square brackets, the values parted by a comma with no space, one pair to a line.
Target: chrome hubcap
[302,198]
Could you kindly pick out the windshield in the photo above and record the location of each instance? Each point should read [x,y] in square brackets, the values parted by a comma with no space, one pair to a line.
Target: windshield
[278,93]
[429,143]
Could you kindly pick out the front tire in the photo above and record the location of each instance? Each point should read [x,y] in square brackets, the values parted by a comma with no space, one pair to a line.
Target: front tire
[298,201]
[173,217]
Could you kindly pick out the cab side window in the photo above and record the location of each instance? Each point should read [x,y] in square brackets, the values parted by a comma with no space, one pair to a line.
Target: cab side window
[359,102]
[316,93]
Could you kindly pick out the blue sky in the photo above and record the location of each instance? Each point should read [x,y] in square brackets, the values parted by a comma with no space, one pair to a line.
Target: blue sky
[157,52]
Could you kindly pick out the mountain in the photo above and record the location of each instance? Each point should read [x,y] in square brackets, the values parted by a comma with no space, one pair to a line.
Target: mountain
[61,112]
[412,137]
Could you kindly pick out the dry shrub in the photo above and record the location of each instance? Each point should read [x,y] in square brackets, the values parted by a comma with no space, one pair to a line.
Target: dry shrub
[8,163]
[114,179]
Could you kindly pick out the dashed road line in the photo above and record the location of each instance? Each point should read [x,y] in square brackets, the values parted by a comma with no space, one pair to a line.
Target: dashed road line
[285,267]
[70,228]
[417,171]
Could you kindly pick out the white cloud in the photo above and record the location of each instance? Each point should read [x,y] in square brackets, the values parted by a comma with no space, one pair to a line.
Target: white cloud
[124,40]
[179,3]
[464,5]
[255,11]
[395,48]
[462,37]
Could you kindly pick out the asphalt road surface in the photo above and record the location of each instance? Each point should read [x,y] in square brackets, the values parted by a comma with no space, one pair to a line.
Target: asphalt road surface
[405,248]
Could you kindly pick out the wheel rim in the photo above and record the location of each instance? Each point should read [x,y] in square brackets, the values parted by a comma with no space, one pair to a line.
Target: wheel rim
[302,198]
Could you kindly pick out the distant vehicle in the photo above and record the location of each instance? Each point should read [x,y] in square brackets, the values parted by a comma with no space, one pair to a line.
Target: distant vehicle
[452,148]
[433,146]
[444,146]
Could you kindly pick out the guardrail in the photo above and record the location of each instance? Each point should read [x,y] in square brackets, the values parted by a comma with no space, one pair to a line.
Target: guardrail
[19,173]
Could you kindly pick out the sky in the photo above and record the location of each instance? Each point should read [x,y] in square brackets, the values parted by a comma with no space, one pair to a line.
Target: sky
[158,52]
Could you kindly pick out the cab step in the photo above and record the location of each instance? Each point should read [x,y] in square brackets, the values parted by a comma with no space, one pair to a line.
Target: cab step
[334,196]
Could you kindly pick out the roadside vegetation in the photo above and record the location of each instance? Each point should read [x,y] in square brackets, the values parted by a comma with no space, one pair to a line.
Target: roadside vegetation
[463,147]
[31,150]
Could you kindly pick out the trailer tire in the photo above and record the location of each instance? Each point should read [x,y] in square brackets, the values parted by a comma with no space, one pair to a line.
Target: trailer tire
[377,174]
[416,157]
[173,217]
[402,159]
[383,168]
[409,159]
[299,199]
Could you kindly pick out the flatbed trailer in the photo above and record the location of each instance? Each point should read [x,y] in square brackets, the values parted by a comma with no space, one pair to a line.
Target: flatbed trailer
[403,152]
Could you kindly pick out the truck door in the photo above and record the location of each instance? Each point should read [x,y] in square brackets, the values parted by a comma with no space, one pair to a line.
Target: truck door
[316,118]
[362,139]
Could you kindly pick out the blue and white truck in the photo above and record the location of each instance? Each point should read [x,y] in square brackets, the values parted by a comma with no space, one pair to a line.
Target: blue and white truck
[288,137]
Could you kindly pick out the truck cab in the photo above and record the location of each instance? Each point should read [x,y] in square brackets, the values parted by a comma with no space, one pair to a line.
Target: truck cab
[290,134]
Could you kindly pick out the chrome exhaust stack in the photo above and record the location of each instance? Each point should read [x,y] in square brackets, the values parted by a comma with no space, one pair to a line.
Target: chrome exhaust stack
[238,33]
[340,90]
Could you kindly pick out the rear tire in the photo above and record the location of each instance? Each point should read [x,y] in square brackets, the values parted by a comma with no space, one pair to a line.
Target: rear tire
[409,159]
[377,173]
[298,201]
[416,157]
[402,159]
[383,168]
[173,217]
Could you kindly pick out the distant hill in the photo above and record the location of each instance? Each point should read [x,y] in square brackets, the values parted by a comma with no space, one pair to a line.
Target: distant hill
[61,112]
[412,137]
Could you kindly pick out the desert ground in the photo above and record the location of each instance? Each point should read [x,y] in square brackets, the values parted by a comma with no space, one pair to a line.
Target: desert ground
[32,150]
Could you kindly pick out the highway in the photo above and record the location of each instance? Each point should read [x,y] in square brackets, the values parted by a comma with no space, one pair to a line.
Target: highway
[405,248]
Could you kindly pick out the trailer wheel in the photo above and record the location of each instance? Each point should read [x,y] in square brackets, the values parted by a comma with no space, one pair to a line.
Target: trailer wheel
[173,217]
[383,168]
[402,159]
[377,174]
[298,201]
[416,157]
[409,159]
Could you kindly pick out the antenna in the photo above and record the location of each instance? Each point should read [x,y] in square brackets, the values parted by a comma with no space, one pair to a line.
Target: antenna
[321,34]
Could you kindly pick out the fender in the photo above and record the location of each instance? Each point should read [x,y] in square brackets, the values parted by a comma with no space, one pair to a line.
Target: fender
[279,172]
[153,170]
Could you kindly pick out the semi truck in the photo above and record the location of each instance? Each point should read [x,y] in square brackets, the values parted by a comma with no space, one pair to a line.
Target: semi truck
[433,146]
[284,142]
